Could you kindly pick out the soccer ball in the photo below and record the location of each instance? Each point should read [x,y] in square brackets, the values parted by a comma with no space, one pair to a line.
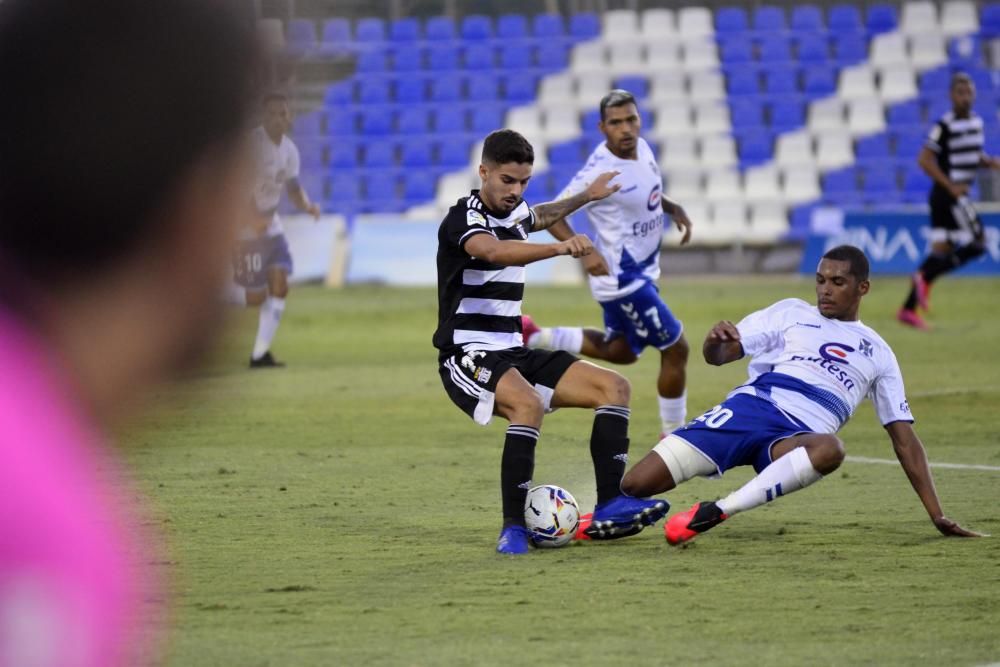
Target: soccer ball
[552,515]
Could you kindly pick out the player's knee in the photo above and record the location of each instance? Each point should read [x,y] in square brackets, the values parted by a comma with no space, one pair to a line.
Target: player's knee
[280,290]
[616,389]
[678,352]
[256,297]
[527,408]
[829,455]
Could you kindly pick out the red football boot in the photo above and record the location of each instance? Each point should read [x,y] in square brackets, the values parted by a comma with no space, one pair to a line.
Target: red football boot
[684,527]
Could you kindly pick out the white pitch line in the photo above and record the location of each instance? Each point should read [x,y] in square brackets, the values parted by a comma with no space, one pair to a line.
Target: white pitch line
[953,391]
[953,466]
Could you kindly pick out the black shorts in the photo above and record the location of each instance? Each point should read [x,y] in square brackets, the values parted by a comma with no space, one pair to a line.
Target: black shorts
[470,378]
[954,220]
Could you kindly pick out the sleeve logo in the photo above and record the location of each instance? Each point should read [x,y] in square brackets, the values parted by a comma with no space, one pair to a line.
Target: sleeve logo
[475,218]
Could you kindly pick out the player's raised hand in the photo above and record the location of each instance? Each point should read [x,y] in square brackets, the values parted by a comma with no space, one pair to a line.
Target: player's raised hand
[723,332]
[578,246]
[314,210]
[601,188]
[949,528]
[683,223]
[595,265]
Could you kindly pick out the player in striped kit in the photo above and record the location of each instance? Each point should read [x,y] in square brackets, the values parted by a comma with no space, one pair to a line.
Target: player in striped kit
[951,156]
[484,365]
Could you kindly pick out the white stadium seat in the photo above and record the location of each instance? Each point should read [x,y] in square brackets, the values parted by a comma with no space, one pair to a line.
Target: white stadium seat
[662,56]
[694,22]
[865,116]
[562,123]
[678,153]
[657,24]
[888,49]
[454,185]
[729,219]
[794,149]
[588,57]
[858,81]
[712,118]
[700,54]
[682,185]
[556,89]
[897,83]
[760,184]
[723,185]
[672,120]
[927,51]
[525,119]
[959,17]
[627,58]
[801,185]
[620,25]
[834,150]
[590,88]
[826,114]
[707,86]
[768,222]
[718,152]
[918,17]
[697,213]
[670,86]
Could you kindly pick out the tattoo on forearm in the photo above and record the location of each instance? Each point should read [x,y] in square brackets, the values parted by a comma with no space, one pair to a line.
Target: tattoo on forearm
[550,213]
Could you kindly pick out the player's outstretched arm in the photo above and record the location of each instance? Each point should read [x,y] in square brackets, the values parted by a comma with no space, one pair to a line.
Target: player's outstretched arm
[518,253]
[549,213]
[722,344]
[679,216]
[299,198]
[593,263]
[913,458]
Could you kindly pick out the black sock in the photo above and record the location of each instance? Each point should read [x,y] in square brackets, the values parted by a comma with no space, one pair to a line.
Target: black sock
[609,449]
[936,265]
[516,468]
[969,252]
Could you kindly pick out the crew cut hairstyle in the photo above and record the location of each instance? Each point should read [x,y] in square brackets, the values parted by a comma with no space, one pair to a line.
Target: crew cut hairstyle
[616,98]
[853,255]
[506,146]
[108,106]
[960,77]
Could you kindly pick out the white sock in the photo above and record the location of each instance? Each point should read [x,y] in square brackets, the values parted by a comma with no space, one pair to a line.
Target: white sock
[270,317]
[569,339]
[791,472]
[673,412]
[234,294]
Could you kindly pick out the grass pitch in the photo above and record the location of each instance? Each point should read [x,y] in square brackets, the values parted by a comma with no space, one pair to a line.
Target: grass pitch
[342,511]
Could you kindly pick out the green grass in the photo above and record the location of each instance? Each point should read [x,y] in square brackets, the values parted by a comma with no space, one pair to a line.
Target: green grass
[343,512]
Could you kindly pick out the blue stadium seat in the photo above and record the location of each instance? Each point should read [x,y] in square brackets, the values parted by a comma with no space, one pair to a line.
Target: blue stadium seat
[881,18]
[841,187]
[984,80]
[512,26]
[813,50]
[746,112]
[312,152]
[768,18]
[904,113]
[743,81]
[731,21]
[485,119]
[881,186]
[439,29]
[418,186]
[807,18]
[345,186]
[965,51]
[566,152]
[545,26]
[379,154]
[408,58]
[301,37]
[916,185]
[845,19]
[483,87]
[873,152]
[755,148]
[936,81]
[936,107]
[736,49]
[342,154]
[341,92]
[849,49]
[413,120]
[512,58]
[477,27]
[584,26]
[908,141]
[341,122]
[787,116]
[774,49]
[637,85]
[520,87]
[478,57]
[374,91]
[380,192]
[372,62]
[369,30]
[989,20]
[552,55]
[453,154]
[781,81]
[442,57]
[336,33]
[404,30]
[450,119]
[411,90]
[417,152]
[447,88]
[376,121]
[589,121]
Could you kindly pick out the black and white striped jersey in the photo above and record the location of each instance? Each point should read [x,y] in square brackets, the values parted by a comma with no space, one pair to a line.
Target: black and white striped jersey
[479,304]
[958,143]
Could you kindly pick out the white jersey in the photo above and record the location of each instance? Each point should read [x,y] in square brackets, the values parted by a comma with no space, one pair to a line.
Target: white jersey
[628,224]
[817,369]
[277,164]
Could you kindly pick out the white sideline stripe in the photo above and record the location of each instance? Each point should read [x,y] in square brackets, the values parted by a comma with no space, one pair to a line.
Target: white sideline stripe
[955,391]
[952,466]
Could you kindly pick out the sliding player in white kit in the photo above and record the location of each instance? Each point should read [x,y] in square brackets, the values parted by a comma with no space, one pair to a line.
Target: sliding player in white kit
[625,268]
[262,262]
[811,368]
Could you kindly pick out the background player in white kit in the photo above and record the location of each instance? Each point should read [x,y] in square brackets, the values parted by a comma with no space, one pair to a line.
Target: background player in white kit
[625,268]
[262,263]
[811,368]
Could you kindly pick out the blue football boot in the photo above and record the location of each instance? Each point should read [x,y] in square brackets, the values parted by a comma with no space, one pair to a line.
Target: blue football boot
[624,515]
[513,540]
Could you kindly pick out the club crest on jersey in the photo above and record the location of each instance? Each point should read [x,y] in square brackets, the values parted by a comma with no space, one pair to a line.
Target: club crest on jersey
[865,347]
[482,374]
[836,352]
[654,201]
[475,218]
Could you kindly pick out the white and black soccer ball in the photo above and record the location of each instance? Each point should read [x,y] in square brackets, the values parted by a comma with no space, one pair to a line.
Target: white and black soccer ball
[551,515]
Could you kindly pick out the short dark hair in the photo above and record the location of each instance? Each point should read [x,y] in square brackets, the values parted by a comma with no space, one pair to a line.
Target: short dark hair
[959,78]
[505,146]
[89,156]
[854,256]
[616,98]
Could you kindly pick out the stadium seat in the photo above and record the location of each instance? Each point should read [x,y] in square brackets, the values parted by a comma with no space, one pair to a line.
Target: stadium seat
[301,38]
[927,50]
[800,185]
[374,91]
[411,90]
[813,50]
[700,54]
[626,57]
[369,31]
[849,49]
[729,218]
[768,222]
[694,22]
[371,62]
[794,149]
[376,121]
[454,154]
[440,29]
[379,154]
[800,218]
[873,152]
[548,26]
[684,185]
[718,151]
[408,58]
[990,20]
[344,187]
[485,119]
[819,81]
[755,147]
[746,112]
[450,118]
[881,187]
[787,116]
[889,49]
[413,120]
[744,81]
[483,87]
[620,25]
[476,27]
[418,187]
[965,51]
[857,82]
[865,116]
[404,30]
[442,57]
[589,57]
[562,122]
[341,122]
[706,86]
[556,88]
[841,187]
[311,125]
[336,36]
[736,49]
[312,152]
[417,152]
[731,21]
[565,153]
[807,18]
[479,57]
[760,184]
[381,192]
[897,83]
[680,153]
[527,120]
[512,27]
[519,87]
[904,113]
[339,93]
[723,185]
[657,24]
[712,118]
[447,88]
[935,81]
[668,86]
[591,88]
[881,18]
[637,85]
[552,56]
[916,185]
[844,20]
[343,155]
[834,150]
[769,19]
[662,56]
[781,81]
[674,119]
[918,16]
[774,49]
[584,26]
